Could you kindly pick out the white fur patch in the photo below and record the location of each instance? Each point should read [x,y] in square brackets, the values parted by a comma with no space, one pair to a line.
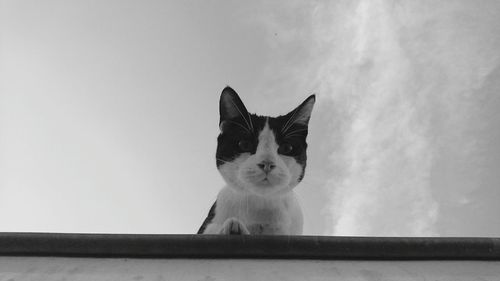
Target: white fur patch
[260,215]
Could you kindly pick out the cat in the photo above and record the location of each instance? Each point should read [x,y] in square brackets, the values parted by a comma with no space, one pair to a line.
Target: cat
[261,159]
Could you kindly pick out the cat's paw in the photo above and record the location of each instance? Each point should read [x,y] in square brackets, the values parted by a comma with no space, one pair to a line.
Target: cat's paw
[233,226]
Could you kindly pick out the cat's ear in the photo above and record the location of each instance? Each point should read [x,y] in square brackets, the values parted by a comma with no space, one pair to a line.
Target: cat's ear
[231,106]
[302,113]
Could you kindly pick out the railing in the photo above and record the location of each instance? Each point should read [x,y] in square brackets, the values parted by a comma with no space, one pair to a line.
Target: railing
[247,247]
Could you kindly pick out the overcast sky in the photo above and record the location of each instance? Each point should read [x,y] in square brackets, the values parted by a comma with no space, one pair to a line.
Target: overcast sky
[109,111]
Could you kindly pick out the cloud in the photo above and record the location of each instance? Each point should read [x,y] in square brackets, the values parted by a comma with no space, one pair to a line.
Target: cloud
[408,92]
[400,86]
[387,152]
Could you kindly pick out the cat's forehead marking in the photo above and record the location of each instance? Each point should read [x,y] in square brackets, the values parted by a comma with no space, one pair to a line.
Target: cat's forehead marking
[267,139]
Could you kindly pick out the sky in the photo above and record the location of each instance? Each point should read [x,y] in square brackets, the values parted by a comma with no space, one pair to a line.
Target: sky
[109,111]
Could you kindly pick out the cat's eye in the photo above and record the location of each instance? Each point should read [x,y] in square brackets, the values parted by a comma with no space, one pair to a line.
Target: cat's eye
[286,148]
[245,145]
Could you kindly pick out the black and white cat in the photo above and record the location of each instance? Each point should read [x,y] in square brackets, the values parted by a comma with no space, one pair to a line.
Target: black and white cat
[261,159]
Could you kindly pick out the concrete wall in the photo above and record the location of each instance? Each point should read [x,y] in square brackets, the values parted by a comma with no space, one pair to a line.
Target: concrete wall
[97,269]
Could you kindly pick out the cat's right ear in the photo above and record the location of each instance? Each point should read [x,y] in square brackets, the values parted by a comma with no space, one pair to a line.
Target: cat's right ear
[231,106]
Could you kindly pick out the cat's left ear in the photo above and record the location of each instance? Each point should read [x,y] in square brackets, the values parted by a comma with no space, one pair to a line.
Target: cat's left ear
[302,113]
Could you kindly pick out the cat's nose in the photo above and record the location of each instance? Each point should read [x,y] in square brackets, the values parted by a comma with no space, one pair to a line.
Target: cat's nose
[266,165]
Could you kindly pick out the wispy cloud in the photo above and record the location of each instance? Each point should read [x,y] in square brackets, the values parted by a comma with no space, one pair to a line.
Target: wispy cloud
[404,83]
[408,92]
[386,151]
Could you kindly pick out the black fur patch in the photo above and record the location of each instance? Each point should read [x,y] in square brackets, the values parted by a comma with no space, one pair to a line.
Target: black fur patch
[208,220]
[232,132]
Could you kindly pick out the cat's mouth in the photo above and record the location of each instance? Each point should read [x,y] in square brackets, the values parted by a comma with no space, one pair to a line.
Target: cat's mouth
[264,183]
[261,180]
[267,181]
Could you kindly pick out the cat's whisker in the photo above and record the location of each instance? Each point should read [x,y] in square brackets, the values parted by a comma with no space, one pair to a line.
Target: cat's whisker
[250,119]
[241,113]
[298,130]
[222,160]
[294,132]
[236,123]
[288,123]
[293,135]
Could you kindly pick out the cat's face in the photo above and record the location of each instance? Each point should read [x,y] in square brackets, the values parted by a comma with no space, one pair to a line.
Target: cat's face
[261,155]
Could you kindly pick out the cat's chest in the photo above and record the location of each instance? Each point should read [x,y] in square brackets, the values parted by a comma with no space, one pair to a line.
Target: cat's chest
[268,215]
[271,220]
[256,212]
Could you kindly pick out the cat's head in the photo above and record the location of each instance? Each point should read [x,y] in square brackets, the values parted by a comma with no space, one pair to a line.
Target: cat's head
[259,154]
